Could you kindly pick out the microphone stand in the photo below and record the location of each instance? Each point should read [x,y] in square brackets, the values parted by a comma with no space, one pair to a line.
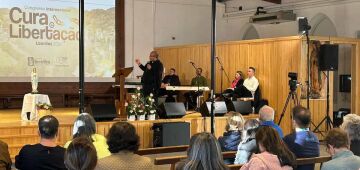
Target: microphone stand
[222,71]
[198,86]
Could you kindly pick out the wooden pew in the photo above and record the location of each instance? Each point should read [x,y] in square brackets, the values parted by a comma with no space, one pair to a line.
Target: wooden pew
[174,159]
[161,150]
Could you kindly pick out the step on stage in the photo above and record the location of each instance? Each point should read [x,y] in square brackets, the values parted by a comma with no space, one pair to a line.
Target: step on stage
[17,133]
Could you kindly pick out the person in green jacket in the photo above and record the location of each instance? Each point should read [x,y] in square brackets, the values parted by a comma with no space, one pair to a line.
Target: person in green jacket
[198,81]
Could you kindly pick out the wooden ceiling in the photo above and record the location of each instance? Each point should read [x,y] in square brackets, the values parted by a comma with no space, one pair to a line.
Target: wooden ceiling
[274,1]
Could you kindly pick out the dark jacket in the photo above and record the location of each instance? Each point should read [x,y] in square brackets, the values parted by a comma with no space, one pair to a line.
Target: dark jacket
[230,140]
[239,83]
[173,80]
[355,147]
[304,144]
[5,161]
[151,79]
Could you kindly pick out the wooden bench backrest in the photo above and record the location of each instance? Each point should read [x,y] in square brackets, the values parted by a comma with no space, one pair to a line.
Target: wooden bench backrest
[161,150]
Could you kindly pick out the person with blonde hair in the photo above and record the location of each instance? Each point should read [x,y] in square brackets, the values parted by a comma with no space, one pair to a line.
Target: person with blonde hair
[233,134]
[351,125]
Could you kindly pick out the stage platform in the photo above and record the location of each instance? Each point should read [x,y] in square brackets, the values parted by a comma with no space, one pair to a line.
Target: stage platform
[17,133]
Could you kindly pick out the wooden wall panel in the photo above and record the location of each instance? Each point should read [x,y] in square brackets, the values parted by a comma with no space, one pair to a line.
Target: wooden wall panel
[273,59]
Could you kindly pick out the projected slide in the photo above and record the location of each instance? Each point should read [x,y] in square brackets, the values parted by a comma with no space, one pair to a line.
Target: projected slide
[44,34]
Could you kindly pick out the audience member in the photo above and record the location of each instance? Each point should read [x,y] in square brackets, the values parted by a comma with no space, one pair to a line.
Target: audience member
[5,161]
[351,125]
[337,143]
[123,142]
[274,154]
[85,126]
[247,145]
[302,142]
[267,115]
[204,153]
[45,155]
[232,136]
[80,155]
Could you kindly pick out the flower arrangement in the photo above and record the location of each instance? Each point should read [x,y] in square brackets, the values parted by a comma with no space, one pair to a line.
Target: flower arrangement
[44,106]
[139,105]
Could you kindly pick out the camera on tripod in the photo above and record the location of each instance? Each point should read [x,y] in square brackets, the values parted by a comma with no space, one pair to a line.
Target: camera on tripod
[293,83]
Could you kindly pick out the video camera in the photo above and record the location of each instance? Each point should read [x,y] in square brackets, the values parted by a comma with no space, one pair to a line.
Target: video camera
[293,83]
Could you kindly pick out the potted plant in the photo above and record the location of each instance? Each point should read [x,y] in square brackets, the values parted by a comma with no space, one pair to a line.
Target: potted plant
[150,107]
[131,112]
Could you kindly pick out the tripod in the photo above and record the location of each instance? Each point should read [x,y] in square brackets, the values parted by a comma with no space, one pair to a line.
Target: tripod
[327,120]
[292,96]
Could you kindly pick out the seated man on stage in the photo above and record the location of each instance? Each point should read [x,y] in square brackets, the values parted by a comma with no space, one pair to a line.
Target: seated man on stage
[198,81]
[151,78]
[169,80]
[249,86]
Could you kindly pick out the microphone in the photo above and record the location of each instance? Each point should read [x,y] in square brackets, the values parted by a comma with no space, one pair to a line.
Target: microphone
[191,62]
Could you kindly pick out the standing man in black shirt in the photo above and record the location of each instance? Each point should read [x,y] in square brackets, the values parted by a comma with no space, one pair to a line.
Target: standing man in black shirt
[169,80]
[151,79]
[45,155]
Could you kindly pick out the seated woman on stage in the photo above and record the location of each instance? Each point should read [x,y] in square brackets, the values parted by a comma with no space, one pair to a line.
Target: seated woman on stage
[232,137]
[204,153]
[236,83]
[85,126]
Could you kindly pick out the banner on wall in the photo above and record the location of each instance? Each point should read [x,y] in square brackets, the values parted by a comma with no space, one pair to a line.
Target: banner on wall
[44,34]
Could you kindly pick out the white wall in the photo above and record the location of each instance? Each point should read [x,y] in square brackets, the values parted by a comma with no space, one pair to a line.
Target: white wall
[154,23]
[343,14]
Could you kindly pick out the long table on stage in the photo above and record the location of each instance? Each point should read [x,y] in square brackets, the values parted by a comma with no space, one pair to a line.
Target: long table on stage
[19,133]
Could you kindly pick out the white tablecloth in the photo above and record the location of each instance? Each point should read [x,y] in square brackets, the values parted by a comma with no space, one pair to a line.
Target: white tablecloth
[29,105]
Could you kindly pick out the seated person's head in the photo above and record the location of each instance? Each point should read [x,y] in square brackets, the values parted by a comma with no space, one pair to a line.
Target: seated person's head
[266,113]
[301,117]
[172,71]
[199,71]
[204,153]
[48,127]
[268,140]
[251,72]
[239,75]
[235,121]
[84,126]
[336,140]
[122,137]
[250,128]
[80,154]
[351,125]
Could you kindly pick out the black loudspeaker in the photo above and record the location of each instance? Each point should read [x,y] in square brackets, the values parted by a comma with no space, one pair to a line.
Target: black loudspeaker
[171,134]
[345,83]
[102,112]
[329,57]
[172,110]
[243,107]
[220,108]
